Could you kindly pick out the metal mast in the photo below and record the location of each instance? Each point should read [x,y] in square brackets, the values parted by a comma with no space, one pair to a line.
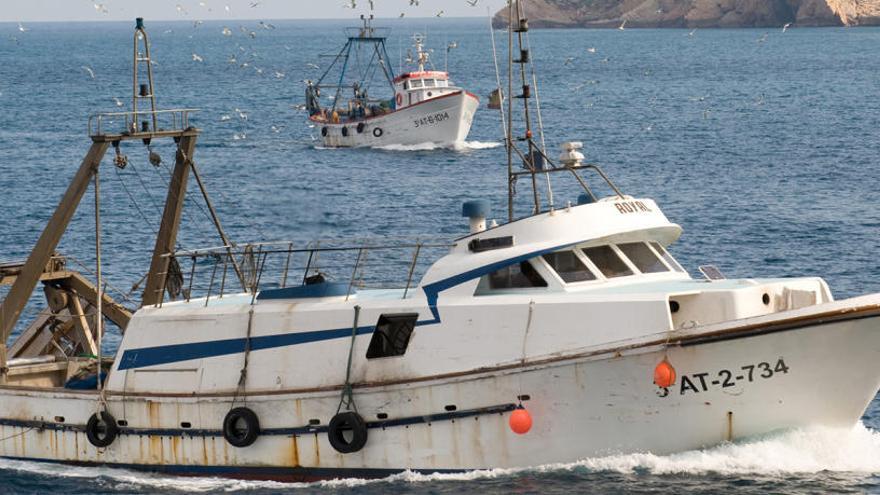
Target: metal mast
[142,91]
[530,156]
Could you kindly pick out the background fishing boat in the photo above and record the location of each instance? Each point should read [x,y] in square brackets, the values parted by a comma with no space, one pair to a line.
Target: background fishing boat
[425,107]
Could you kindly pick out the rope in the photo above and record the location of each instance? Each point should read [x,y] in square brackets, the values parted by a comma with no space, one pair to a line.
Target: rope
[242,377]
[522,361]
[134,202]
[146,189]
[186,194]
[347,397]
[10,437]
[91,272]
[184,211]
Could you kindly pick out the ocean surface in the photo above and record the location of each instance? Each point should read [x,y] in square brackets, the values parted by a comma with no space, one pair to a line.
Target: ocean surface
[762,145]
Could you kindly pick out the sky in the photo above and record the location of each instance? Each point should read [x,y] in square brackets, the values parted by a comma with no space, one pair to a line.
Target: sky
[125,10]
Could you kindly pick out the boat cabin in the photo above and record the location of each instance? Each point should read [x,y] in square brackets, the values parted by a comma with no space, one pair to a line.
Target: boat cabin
[411,88]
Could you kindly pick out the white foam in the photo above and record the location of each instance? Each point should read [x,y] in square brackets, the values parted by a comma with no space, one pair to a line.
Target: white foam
[456,146]
[808,450]
[803,451]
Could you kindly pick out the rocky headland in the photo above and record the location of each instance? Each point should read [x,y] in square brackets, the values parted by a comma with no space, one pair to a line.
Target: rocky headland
[697,13]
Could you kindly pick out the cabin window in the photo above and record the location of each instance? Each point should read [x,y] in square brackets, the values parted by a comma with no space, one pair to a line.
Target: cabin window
[518,276]
[643,257]
[607,261]
[569,267]
[429,83]
[392,334]
[442,84]
[667,257]
[405,85]
[415,83]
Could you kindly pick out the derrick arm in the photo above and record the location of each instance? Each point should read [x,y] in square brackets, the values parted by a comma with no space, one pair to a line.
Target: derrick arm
[167,239]
[42,253]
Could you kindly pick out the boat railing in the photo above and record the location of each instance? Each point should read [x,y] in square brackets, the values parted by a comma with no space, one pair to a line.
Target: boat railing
[547,165]
[367,33]
[213,273]
[146,121]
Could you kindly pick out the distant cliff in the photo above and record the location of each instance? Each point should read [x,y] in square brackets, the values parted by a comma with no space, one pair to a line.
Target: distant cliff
[696,13]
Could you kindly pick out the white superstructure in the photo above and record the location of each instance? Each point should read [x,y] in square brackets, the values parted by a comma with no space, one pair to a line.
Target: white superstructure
[566,312]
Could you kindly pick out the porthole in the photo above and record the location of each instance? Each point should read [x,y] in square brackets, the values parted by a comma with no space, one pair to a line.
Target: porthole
[765,299]
[673,306]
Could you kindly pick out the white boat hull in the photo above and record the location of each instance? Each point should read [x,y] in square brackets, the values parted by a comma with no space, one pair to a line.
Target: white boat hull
[443,120]
[582,406]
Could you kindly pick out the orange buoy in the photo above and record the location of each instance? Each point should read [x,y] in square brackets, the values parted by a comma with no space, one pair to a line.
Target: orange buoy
[520,421]
[664,374]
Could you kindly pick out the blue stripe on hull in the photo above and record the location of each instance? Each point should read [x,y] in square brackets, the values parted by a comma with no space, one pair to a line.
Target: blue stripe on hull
[151,356]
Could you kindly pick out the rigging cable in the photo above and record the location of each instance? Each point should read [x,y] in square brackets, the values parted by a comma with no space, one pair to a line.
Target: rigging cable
[498,77]
[134,202]
[538,110]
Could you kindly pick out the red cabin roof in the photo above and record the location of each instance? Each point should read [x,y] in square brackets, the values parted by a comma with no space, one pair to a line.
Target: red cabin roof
[432,74]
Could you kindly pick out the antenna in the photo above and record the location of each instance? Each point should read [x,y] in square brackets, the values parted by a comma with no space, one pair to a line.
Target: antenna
[142,91]
[530,159]
[534,158]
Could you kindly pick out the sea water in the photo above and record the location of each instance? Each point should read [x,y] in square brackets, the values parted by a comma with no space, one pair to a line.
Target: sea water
[763,148]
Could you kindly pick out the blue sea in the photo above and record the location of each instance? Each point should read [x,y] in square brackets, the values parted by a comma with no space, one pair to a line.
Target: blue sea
[762,145]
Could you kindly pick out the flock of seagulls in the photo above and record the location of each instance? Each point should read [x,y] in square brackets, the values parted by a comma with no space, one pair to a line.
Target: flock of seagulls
[250,56]
[352,4]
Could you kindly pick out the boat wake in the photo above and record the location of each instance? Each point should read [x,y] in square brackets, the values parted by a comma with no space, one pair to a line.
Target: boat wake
[803,451]
[456,146]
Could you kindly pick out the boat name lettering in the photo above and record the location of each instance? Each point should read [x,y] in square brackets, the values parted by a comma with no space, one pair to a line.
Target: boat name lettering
[694,383]
[631,207]
[431,119]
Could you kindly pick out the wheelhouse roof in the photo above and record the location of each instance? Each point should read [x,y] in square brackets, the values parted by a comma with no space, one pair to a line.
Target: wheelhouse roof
[432,74]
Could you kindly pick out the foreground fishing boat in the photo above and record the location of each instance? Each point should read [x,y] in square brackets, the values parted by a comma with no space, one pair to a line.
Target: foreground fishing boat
[425,106]
[568,333]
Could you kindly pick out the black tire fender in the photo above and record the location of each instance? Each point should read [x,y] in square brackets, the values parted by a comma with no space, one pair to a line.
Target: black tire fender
[102,430]
[324,131]
[345,131]
[360,127]
[343,422]
[241,427]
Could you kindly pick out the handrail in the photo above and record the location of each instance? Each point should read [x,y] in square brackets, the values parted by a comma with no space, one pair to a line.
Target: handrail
[319,246]
[179,120]
[390,265]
